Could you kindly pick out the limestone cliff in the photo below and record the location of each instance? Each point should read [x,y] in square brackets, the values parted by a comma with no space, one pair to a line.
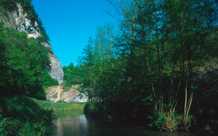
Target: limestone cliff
[55,69]
[56,93]
[18,20]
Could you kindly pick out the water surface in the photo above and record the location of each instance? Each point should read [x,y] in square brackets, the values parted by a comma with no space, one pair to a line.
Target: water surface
[75,123]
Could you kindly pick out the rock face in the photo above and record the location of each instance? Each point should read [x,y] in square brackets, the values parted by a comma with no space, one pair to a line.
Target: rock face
[56,93]
[55,69]
[24,24]
[18,20]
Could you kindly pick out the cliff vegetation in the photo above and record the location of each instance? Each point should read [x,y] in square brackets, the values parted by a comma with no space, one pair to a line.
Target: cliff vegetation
[10,5]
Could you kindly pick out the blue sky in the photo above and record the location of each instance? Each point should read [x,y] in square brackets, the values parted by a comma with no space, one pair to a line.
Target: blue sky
[69,23]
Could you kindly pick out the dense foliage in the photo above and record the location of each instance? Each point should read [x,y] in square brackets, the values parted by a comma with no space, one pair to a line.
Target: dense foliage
[73,75]
[156,69]
[23,65]
[47,80]
[20,115]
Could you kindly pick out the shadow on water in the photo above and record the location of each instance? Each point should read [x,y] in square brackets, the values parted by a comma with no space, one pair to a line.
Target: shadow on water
[76,123]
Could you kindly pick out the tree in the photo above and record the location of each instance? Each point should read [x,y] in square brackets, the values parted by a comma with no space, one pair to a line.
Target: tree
[161,43]
[23,61]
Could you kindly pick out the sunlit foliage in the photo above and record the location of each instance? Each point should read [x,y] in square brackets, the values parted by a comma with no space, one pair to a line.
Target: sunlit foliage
[23,62]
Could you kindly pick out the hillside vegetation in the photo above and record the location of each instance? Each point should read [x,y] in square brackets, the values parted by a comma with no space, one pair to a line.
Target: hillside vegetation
[24,64]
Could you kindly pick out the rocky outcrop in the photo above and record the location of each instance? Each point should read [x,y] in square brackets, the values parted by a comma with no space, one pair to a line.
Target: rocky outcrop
[56,93]
[55,69]
[18,20]
[47,45]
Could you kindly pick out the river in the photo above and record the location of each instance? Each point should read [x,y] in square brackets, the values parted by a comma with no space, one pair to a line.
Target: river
[75,123]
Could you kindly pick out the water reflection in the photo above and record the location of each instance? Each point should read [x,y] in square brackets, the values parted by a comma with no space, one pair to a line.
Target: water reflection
[77,124]
[70,123]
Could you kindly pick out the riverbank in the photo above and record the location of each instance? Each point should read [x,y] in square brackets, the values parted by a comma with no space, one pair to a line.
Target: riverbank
[197,126]
[61,106]
[21,115]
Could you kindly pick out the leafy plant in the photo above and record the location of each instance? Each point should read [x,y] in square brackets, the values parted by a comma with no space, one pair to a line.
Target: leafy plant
[21,117]
[24,64]
[159,120]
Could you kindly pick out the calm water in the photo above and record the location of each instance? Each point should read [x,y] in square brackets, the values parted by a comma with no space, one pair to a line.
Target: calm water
[77,124]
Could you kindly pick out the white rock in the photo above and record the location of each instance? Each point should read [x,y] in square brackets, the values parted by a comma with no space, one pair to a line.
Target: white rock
[71,95]
[56,70]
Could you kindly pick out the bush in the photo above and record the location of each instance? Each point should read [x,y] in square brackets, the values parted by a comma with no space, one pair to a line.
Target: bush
[47,80]
[21,115]
[23,65]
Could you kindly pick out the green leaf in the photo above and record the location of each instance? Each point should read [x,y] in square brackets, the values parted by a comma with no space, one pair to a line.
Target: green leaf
[150,125]
[150,117]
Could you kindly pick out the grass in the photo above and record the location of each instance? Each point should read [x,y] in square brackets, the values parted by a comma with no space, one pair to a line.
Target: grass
[61,106]
[70,113]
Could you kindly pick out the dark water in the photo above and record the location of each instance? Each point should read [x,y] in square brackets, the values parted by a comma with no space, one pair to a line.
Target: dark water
[77,124]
